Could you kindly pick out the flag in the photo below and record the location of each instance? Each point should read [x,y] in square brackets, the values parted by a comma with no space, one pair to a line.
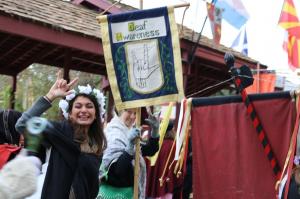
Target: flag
[234,12]
[292,46]
[264,82]
[241,43]
[290,22]
[215,17]
[142,55]
[289,19]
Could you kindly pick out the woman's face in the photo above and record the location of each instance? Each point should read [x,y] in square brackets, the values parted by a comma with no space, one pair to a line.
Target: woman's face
[128,117]
[83,111]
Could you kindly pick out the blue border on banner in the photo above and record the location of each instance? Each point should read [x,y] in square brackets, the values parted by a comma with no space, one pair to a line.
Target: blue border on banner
[166,56]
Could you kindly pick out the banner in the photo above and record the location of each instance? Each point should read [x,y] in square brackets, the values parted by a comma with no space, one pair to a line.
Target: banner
[228,158]
[142,55]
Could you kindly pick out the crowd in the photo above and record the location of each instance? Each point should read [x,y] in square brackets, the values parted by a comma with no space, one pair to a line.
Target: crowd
[76,157]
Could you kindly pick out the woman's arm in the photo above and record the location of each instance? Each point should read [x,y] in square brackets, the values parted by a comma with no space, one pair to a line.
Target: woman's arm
[39,107]
[59,89]
[121,172]
[151,147]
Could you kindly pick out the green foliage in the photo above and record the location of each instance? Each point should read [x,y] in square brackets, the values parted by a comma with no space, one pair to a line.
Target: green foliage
[5,96]
[36,81]
[5,91]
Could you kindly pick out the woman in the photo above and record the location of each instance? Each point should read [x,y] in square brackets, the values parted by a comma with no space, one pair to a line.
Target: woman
[77,143]
[118,165]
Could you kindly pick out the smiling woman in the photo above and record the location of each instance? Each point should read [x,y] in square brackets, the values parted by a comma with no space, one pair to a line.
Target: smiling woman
[76,143]
[117,168]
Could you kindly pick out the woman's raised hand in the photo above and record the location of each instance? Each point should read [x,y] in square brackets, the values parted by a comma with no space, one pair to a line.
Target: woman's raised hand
[60,88]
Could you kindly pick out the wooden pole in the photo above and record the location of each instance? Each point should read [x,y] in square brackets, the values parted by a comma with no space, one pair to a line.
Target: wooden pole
[67,62]
[182,5]
[13,92]
[137,157]
[141,4]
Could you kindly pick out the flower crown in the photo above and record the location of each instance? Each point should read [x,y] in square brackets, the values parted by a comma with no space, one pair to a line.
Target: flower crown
[64,103]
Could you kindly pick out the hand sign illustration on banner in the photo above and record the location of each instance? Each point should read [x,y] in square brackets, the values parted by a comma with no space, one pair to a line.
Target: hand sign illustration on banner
[142,55]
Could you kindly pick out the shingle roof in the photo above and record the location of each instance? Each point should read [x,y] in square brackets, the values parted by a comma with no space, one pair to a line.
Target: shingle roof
[58,14]
[66,16]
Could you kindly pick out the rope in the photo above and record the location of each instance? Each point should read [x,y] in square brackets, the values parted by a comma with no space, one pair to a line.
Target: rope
[181,31]
[107,9]
[259,129]
[210,87]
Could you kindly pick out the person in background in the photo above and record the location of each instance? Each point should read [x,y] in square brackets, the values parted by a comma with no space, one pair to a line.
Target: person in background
[117,169]
[294,184]
[18,178]
[188,178]
[77,142]
[8,133]
[162,183]
[11,141]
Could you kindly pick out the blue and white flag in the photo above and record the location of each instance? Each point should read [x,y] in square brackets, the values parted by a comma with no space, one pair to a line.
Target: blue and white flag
[142,55]
[241,43]
[234,12]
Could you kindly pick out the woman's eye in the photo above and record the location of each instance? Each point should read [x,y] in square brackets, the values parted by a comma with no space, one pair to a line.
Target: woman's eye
[89,106]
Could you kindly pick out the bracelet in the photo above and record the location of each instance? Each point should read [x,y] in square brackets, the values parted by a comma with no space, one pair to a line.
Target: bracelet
[46,98]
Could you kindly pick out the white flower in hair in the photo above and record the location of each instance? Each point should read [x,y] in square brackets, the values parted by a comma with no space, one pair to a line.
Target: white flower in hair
[64,104]
[101,100]
[85,89]
[71,96]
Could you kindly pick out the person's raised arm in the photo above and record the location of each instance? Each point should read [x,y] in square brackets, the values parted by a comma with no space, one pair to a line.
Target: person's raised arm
[59,89]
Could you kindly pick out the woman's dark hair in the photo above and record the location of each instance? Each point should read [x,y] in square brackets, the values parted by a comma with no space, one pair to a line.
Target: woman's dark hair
[95,133]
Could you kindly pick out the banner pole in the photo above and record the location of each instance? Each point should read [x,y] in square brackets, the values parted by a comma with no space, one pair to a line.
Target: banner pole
[137,157]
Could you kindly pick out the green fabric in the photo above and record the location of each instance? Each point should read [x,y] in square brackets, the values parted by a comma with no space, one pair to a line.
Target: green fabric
[107,191]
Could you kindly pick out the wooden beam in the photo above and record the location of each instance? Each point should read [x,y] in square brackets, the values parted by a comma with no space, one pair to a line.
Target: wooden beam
[17,46]
[16,59]
[88,61]
[87,56]
[5,71]
[77,2]
[13,92]
[5,40]
[46,34]
[103,5]
[67,63]
[38,57]
[94,70]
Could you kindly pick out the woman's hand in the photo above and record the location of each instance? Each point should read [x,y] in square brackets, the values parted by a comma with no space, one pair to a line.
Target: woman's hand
[60,88]
[132,135]
[153,122]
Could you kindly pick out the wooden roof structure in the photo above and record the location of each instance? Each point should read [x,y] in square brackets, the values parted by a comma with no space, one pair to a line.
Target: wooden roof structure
[67,35]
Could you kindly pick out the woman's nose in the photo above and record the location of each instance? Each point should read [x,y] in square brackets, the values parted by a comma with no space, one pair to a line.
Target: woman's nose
[83,109]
